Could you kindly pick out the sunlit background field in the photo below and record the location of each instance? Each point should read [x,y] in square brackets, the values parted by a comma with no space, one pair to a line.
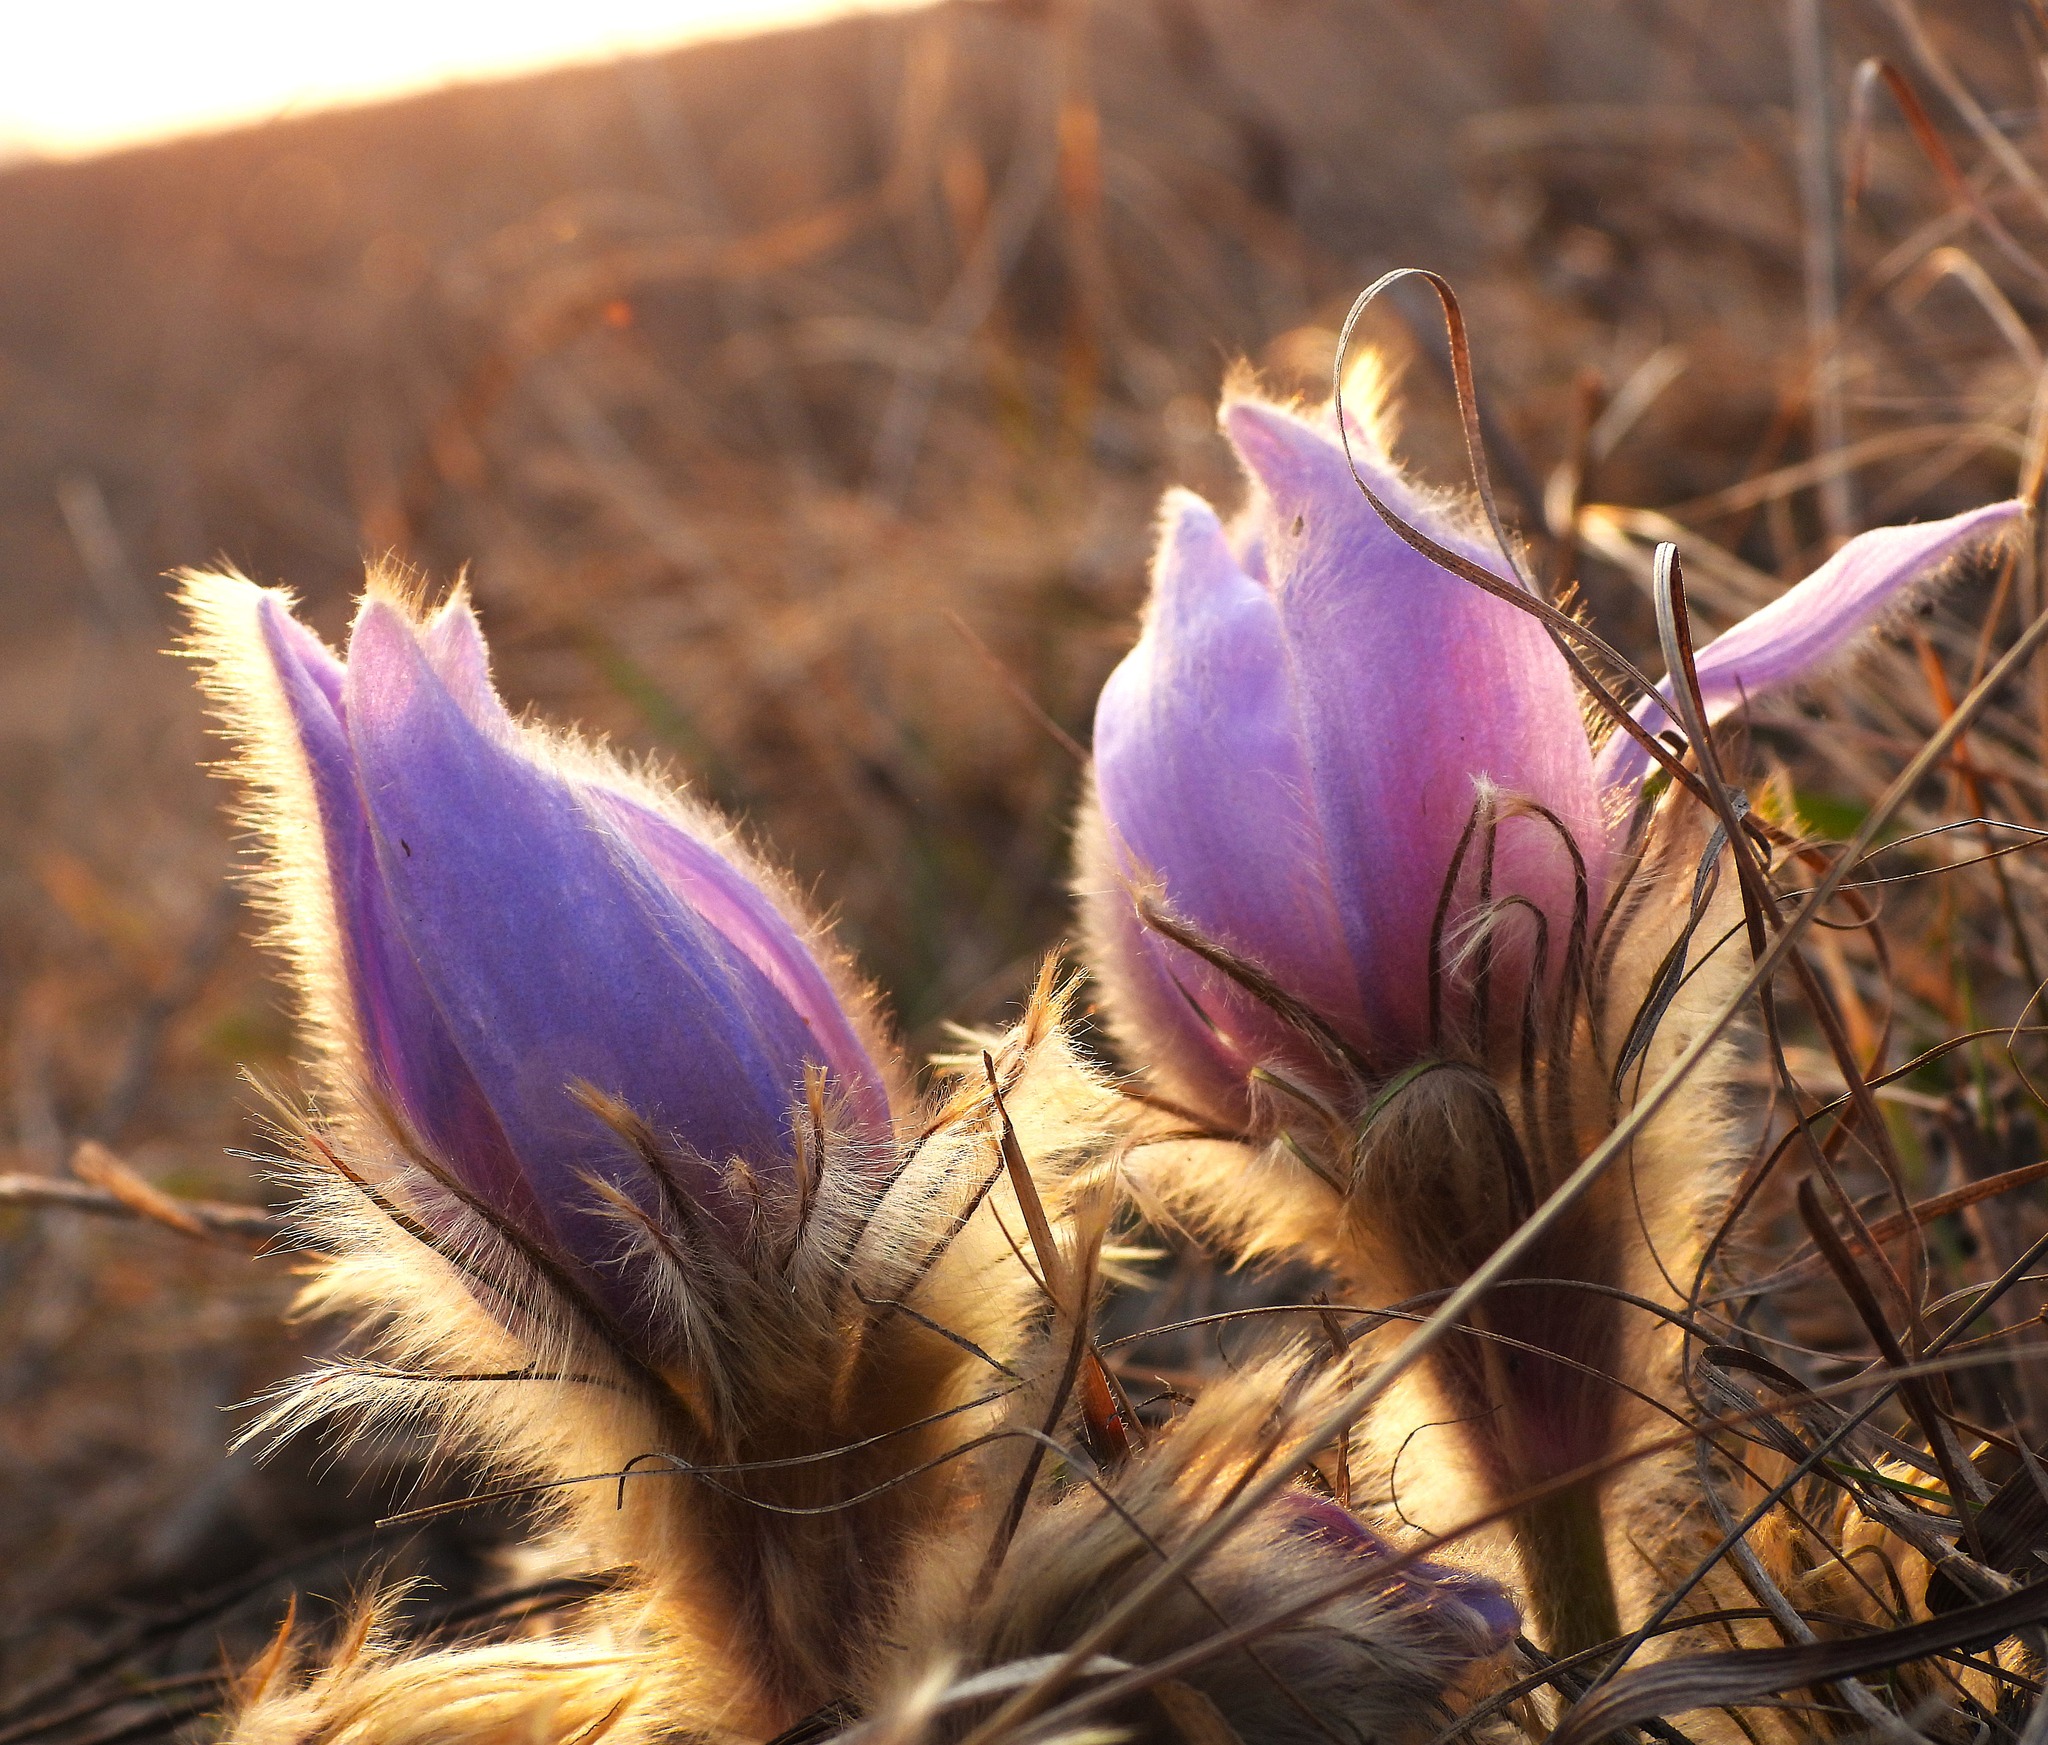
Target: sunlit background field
[76,80]
[796,406]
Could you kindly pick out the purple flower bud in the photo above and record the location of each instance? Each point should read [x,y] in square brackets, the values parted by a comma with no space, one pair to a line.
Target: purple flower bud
[489,916]
[1288,760]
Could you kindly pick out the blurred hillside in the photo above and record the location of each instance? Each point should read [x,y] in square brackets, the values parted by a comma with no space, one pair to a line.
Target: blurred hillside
[730,379]
[725,375]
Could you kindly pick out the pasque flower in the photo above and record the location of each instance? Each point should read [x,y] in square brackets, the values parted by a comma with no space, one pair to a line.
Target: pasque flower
[498,922]
[1468,1603]
[1346,873]
[605,1165]
[1287,761]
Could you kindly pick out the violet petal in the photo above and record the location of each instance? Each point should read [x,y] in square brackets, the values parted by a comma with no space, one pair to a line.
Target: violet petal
[1450,1595]
[553,951]
[704,881]
[404,1046]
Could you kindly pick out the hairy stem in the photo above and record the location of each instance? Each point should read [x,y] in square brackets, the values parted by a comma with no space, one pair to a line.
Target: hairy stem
[1563,1544]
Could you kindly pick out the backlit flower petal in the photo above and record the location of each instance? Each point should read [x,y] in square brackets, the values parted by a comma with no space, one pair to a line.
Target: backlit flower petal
[553,952]
[1811,623]
[1414,688]
[708,884]
[403,1045]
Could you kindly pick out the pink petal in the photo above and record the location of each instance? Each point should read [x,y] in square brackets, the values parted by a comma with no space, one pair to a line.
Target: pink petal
[1202,785]
[1414,687]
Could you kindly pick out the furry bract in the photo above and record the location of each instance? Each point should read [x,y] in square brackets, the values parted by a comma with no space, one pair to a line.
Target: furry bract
[507,929]
[1289,757]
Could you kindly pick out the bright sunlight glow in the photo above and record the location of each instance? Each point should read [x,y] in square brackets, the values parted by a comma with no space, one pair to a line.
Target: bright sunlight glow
[78,76]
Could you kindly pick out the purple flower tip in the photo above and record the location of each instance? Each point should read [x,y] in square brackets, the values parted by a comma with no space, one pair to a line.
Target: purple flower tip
[1459,1602]
[1313,719]
[513,916]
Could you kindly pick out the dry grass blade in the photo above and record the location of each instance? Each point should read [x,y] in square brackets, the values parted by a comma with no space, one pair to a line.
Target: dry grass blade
[2014,1529]
[1888,1229]
[98,1167]
[1919,1397]
[1716,1681]
[1773,1498]
[1935,149]
[1031,706]
[209,1220]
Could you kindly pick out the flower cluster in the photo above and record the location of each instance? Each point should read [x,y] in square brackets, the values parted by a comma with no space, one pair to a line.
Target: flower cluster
[618,1168]
[615,1161]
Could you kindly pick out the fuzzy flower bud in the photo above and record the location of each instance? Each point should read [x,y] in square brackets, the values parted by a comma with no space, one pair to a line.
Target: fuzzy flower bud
[1311,724]
[491,923]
